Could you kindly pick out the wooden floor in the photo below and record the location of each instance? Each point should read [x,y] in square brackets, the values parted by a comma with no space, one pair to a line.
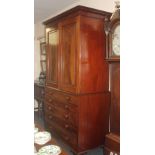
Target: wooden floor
[97,151]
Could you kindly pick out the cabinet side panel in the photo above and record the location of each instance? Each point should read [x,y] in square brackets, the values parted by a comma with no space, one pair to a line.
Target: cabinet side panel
[93,67]
[93,120]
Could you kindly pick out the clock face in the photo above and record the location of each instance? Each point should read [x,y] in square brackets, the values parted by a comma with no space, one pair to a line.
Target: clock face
[116,41]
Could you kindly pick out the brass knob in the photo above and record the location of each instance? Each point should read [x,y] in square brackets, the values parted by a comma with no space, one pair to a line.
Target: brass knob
[50,117]
[68,98]
[66,106]
[66,126]
[49,108]
[66,116]
[50,100]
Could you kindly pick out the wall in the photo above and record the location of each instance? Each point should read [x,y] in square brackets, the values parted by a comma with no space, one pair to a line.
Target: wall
[106,5]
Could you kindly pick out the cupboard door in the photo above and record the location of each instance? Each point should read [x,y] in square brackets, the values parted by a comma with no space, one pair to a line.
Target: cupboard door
[68,55]
[52,57]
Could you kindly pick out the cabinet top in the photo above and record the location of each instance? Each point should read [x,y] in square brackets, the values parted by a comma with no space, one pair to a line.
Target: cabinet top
[79,10]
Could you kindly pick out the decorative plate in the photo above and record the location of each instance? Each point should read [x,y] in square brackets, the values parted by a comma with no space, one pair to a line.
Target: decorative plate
[42,137]
[35,151]
[49,150]
[35,130]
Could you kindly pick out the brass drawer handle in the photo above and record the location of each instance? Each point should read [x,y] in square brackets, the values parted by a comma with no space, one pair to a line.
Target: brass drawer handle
[66,126]
[66,106]
[49,107]
[66,116]
[68,98]
[50,100]
[50,117]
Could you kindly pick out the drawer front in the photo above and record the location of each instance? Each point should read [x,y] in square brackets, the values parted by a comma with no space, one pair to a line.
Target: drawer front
[49,107]
[49,91]
[63,110]
[62,97]
[67,117]
[69,137]
[68,124]
[61,106]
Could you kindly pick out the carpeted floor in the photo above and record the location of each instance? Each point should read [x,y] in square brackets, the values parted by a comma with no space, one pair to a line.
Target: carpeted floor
[97,151]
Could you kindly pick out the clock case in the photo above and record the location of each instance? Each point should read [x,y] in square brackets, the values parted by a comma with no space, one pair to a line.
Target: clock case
[110,25]
[112,139]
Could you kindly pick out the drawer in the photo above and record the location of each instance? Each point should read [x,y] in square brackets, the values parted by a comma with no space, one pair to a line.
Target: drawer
[70,116]
[61,97]
[69,137]
[65,107]
[61,106]
[49,91]
[66,124]
[49,98]
[66,98]
[49,107]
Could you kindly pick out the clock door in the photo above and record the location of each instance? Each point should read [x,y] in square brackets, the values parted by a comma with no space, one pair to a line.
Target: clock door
[52,57]
[68,39]
[114,81]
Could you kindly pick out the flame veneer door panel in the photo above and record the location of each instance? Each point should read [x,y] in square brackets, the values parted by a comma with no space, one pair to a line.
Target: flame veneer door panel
[52,38]
[68,44]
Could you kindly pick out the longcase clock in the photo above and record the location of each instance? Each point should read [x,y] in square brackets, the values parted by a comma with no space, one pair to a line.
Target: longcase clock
[112,30]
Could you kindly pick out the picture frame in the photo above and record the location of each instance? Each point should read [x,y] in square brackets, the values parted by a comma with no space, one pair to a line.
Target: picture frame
[43,48]
[43,65]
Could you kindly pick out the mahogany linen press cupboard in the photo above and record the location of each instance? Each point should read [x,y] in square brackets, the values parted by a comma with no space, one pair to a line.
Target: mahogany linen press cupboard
[76,91]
